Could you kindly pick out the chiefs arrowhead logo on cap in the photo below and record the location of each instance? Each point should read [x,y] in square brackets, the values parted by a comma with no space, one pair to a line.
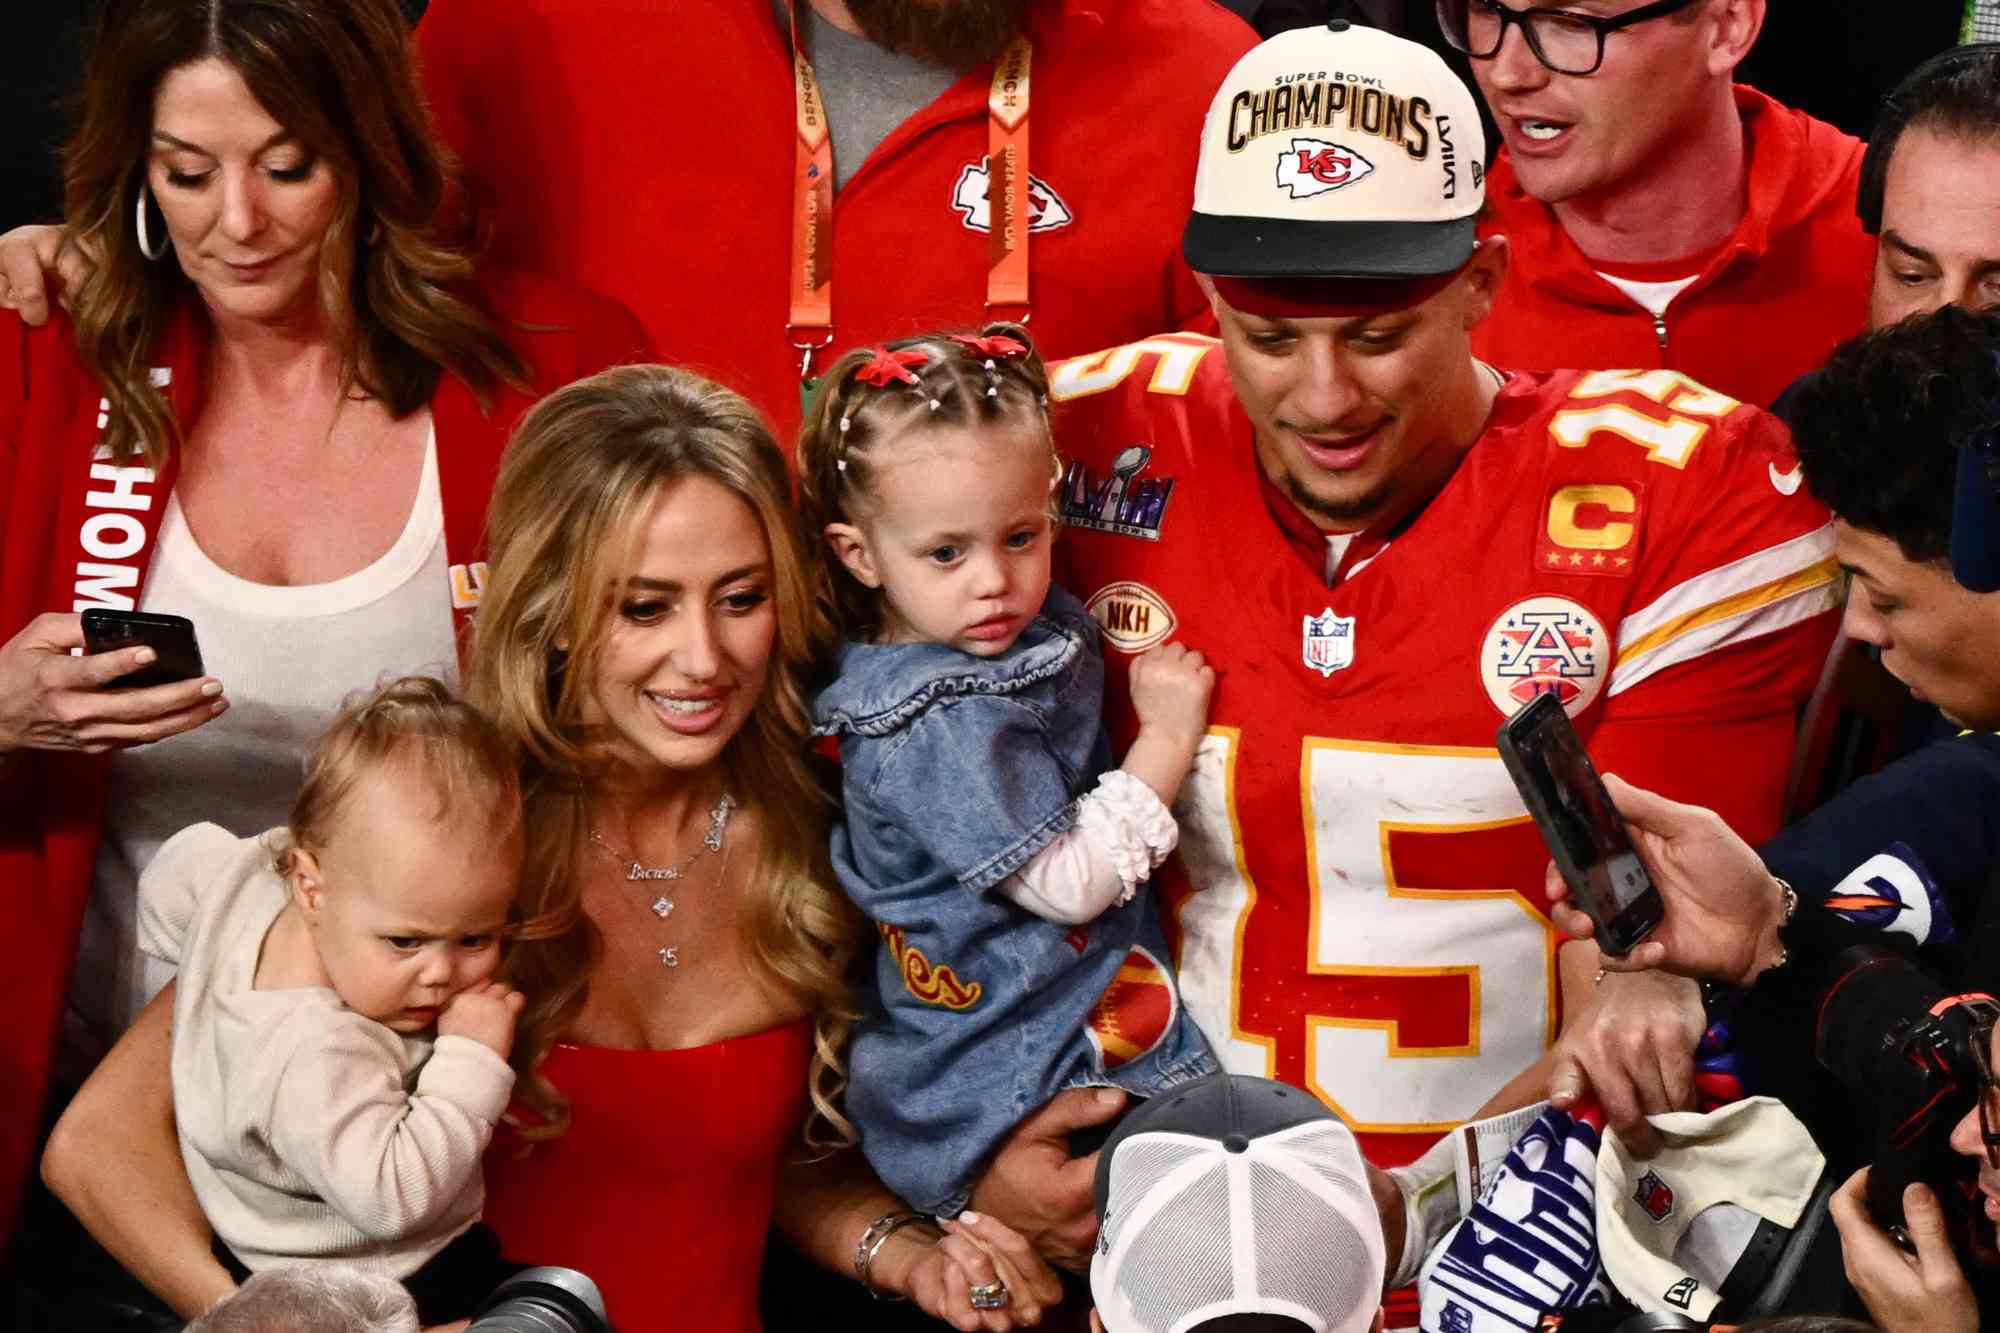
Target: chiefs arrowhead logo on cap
[1314,166]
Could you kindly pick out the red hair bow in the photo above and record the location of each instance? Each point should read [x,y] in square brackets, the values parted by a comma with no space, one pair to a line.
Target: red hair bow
[999,345]
[887,365]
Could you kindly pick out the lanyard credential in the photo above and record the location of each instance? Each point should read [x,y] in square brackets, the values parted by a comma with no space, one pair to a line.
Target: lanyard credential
[809,326]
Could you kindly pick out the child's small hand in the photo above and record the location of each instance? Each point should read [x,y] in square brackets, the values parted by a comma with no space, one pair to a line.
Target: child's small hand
[485,1013]
[1170,691]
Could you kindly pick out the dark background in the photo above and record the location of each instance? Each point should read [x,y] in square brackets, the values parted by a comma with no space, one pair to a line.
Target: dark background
[1834,58]
[47,38]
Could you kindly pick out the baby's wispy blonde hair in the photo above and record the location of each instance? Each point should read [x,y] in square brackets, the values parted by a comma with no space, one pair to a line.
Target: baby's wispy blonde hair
[419,726]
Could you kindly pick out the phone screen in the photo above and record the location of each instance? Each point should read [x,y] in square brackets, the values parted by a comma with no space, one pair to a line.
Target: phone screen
[1583,830]
[1581,809]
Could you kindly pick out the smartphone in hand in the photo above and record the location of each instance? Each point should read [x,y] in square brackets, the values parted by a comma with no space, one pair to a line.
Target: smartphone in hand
[1583,830]
[170,637]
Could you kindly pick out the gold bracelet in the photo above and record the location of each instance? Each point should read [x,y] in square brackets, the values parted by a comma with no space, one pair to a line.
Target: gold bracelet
[883,1227]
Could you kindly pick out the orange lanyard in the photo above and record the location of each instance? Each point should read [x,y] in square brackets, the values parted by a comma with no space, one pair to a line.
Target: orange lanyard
[810,324]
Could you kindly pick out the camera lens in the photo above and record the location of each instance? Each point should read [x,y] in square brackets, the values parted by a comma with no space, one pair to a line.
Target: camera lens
[544,1300]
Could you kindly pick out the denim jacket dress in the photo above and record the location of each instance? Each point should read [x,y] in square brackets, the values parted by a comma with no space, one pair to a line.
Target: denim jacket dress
[957,771]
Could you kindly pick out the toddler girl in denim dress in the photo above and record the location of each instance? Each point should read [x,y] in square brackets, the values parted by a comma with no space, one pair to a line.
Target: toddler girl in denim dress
[985,831]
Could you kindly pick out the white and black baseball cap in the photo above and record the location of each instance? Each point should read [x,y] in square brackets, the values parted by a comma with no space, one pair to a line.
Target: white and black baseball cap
[1337,151]
[1235,1196]
[1707,1219]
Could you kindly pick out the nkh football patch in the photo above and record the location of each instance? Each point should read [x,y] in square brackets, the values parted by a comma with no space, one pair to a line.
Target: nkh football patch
[1134,1013]
[1544,645]
[1315,166]
[969,196]
[1327,642]
[1131,616]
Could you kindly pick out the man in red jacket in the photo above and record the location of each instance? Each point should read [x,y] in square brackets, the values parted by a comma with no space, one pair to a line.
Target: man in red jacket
[664,154]
[1660,215]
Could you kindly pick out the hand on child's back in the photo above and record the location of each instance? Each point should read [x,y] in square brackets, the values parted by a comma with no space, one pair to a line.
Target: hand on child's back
[1171,685]
[485,1013]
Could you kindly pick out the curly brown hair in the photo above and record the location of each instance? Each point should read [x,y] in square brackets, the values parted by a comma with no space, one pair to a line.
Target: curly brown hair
[339,77]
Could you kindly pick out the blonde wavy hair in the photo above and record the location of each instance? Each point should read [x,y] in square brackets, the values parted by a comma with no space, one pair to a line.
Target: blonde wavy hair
[338,75]
[579,478]
[419,726]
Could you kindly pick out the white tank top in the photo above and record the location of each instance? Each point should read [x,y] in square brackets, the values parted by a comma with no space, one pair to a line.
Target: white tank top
[287,657]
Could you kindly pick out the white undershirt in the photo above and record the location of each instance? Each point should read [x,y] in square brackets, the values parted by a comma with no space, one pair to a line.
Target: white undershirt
[1655,297]
[287,657]
[1121,834]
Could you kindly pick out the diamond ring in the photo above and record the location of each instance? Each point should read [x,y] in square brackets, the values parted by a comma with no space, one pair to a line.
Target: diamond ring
[990,1296]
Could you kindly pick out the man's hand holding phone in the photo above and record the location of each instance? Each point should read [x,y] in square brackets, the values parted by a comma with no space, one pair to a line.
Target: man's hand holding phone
[1722,907]
[53,700]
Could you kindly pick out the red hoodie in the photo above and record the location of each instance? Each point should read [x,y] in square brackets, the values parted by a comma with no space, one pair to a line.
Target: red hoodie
[645,150]
[74,533]
[1782,291]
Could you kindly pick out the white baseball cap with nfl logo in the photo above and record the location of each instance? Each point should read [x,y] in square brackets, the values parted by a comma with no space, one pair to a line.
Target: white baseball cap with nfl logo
[1337,151]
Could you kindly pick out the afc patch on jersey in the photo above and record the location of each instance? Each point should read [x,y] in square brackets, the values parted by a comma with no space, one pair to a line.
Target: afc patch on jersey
[969,197]
[1544,645]
[1123,502]
[1590,529]
[1131,616]
[1315,166]
[1327,642]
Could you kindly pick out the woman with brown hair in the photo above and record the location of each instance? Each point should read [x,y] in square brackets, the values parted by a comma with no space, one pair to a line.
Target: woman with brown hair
[644,639]
[276,408]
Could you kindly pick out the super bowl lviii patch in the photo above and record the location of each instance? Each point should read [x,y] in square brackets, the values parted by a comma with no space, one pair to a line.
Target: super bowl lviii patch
[1124,501]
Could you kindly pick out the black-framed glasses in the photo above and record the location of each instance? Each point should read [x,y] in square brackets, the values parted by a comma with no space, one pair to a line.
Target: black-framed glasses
[1565,42]
[1989,1086]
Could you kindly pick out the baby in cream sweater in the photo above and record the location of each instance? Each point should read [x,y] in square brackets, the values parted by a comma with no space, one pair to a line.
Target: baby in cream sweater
[339,1044]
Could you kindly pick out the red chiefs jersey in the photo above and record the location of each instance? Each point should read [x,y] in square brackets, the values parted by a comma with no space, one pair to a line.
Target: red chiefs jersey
[1358,892]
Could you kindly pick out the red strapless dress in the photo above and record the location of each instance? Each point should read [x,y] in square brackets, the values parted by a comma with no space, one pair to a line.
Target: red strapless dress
[661,1190]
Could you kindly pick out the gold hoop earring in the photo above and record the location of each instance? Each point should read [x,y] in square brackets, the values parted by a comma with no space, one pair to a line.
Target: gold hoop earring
[145,240]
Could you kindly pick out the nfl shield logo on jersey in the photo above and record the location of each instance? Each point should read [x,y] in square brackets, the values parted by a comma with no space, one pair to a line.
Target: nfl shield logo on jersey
[1329,642]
